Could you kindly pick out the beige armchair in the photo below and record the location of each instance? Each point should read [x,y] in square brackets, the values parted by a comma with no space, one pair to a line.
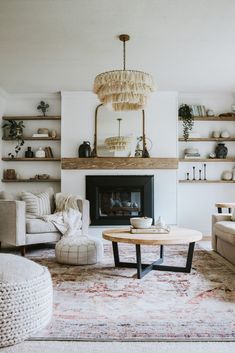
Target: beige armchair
[17,230]
[223,232]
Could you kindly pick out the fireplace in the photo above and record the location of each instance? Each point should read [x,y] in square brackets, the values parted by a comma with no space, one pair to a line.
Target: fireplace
[114,199]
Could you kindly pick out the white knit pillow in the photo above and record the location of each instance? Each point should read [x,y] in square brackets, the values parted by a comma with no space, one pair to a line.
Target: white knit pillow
[36,205]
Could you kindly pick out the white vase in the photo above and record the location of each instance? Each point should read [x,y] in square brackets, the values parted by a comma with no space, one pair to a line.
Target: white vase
[40,153]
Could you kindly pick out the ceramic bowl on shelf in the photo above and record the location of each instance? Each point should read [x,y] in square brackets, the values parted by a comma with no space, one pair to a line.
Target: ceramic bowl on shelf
[141,222]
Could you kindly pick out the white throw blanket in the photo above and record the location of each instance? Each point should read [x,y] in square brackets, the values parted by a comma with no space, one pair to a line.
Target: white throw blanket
[68,219]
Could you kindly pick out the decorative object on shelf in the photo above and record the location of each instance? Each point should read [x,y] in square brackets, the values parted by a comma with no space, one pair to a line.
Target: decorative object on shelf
[185,112]
[144,151]
[187,174]
[141,222]
[9,174]
[194,173]
[15,133]
[227,114]
[123,89]
[200,174]
[198,110]
[43,107]
[233,108]
[29,153]
[48,152]
[225,134]
[210,112]
[191,153]
[204,170]
[212,155]
[118,143]
[53,134]
[233,171]
[41,177]
[221,150]
[43,130]
[40,153]
[84,150]
[215,134]
[138,150]
[227,175]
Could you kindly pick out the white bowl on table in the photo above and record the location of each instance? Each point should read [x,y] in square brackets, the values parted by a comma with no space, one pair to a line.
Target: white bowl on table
[141,222]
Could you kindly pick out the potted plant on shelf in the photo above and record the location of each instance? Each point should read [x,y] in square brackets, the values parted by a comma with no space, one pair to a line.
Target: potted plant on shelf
[185,113]
[15,132]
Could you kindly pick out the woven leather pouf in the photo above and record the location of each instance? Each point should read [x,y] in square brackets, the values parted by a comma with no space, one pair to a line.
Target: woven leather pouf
[25,298]
[79,250]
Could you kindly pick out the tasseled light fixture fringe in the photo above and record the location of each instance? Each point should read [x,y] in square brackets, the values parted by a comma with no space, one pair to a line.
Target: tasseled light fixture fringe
[123,89]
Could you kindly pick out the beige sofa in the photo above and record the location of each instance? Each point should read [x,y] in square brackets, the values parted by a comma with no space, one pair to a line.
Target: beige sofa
[17,230]
[223,236]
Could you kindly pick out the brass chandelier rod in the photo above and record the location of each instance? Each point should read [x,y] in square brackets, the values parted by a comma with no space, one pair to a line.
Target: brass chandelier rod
[124,38]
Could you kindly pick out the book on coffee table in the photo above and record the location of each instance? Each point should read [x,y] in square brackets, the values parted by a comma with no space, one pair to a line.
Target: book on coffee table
[151,230]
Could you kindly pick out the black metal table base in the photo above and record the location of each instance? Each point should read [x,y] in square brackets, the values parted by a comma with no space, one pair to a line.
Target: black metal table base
[143,269]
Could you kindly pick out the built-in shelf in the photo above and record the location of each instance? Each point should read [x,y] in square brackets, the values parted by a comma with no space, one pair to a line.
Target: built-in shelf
[207,181]
[41,118]
[213,118]
[31,180]
[119,163]
[55,159]
[206,139]
[224,160]
[34,139]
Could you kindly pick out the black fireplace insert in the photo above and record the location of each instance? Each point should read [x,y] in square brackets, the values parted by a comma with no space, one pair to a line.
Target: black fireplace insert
[115,199]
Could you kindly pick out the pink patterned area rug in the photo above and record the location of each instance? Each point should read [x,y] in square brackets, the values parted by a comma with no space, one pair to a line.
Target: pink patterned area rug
[100,302]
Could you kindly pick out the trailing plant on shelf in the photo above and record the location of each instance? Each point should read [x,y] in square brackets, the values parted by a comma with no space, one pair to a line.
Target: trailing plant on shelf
[15,132]
[185,112]
[43,107]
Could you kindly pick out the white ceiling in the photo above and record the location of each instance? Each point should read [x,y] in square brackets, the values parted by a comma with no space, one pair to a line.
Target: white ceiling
[53,45]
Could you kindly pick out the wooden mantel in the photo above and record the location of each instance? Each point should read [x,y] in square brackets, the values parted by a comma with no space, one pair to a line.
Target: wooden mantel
[119,163]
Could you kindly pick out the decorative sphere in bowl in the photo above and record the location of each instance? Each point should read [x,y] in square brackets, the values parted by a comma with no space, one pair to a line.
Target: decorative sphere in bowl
[141,222]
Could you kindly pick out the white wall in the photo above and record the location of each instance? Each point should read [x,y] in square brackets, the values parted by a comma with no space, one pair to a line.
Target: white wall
[3,98]
[78,111]
[26,104]
[196,201]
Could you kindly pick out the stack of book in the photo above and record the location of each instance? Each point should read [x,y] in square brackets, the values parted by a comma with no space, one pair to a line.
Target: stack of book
[198,110]
[191,153]
[40,135]
[48,152]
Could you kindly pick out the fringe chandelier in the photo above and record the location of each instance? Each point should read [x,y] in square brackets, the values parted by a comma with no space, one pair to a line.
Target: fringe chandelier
[123,89]
[118,143]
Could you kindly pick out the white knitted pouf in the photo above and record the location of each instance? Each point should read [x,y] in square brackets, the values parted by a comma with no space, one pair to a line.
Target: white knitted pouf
[79,250]
[25,298]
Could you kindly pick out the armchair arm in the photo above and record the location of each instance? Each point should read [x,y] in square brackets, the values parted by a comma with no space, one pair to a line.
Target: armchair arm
[12,222]
[218,217]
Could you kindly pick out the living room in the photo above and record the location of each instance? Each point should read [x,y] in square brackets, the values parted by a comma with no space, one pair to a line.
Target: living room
[117,171]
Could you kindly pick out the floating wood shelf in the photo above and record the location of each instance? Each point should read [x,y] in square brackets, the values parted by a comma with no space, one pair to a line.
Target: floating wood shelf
[31,181]
[206,181]
[202,139]
[224,160]
[50,117]
[213,118]
[6,159]
[119,163]
[34,139]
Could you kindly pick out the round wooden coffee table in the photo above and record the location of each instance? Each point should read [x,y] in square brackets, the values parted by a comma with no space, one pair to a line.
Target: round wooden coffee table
[176,236]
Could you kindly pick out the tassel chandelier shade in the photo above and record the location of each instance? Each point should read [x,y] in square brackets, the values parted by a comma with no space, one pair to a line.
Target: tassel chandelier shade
[118,143]
[123,89]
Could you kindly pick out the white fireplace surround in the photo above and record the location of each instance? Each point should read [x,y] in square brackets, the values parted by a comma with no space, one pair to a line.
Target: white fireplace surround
[78,112]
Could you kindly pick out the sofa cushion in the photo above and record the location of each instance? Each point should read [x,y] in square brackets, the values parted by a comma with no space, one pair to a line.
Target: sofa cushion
[36,225]
[226,231]
[37,205]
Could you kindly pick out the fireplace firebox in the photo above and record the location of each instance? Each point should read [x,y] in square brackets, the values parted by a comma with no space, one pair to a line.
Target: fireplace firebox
[115,199]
